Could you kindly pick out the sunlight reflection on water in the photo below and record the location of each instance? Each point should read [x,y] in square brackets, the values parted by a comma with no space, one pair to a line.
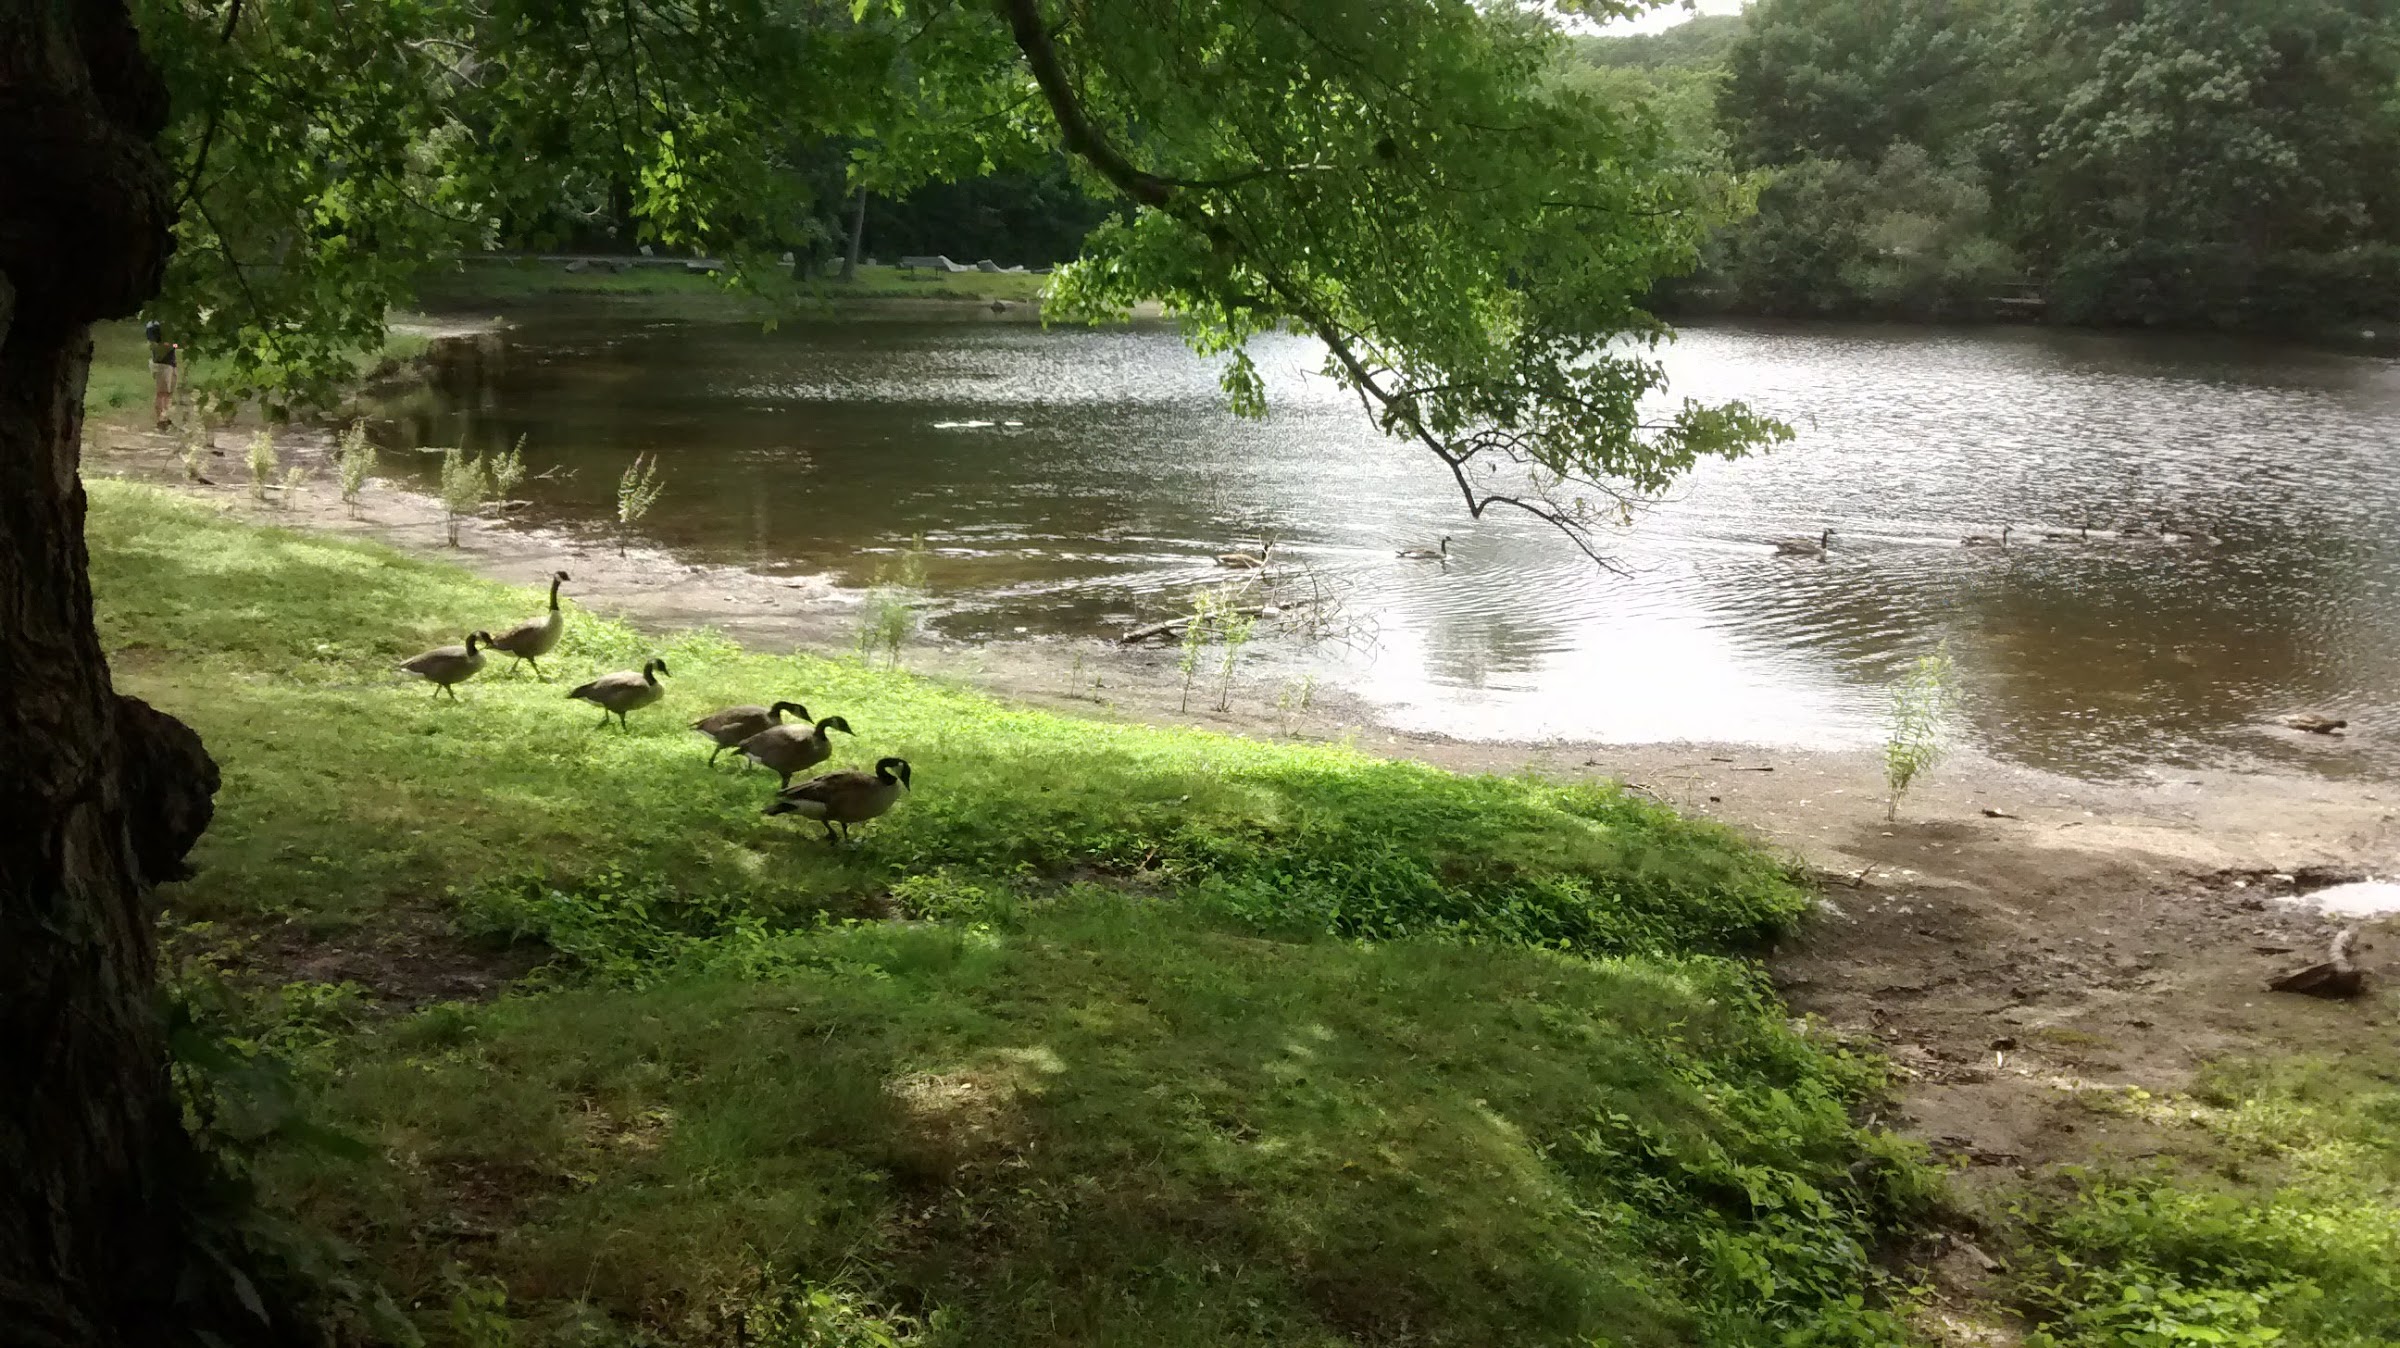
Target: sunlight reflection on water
[1076,482]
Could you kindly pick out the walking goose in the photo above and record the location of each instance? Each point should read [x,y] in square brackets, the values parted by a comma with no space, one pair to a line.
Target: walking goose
[529,641]
[844,798]
[789,748]
[447,665]
[624,691]
[1987,540]
[1441,554]
[735,724]
[1805,547]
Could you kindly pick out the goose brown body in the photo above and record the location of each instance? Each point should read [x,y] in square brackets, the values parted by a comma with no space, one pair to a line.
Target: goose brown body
[445,666]
[534,638]
[789,748]
[1805,547]
[732,725]
[624,691]
[845,798]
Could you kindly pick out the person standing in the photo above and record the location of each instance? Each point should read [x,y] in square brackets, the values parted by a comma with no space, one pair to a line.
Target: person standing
[163,370]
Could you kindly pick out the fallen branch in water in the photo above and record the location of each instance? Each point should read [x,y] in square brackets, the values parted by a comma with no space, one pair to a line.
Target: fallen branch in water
[2336,978]
[1173,627]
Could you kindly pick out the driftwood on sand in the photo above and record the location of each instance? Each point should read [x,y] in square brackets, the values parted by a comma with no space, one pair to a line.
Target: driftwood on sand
[2336,978]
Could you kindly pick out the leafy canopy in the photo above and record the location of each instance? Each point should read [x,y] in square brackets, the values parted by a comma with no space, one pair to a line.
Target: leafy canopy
[2225,163]
[1410,181]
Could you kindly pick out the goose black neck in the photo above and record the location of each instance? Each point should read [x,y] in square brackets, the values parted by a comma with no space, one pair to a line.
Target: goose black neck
[554,594]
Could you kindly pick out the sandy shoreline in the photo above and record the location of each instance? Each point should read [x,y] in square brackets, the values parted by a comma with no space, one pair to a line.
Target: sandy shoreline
[2013,939]
[1825,806]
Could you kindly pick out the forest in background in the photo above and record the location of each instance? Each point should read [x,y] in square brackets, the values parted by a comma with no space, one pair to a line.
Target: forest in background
[2213,164]
[2222,164]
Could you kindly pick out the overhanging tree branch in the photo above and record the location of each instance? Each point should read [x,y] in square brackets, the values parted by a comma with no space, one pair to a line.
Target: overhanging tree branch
[208,133]
[1076,129]
[1158,193]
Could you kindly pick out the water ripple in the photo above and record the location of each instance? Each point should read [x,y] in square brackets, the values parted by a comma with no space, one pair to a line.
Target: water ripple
[1068,480]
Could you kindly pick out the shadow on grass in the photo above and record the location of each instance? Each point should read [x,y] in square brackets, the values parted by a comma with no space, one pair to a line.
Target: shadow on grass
[348,786]
[1109,1122]
[1176,1107]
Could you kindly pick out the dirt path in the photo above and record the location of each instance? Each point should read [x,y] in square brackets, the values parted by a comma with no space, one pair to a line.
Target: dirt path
[2014,937]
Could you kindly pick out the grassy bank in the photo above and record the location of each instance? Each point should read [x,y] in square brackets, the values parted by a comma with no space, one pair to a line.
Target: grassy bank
[1143,1036]
[2270,1213]
[119,389]
[500,281]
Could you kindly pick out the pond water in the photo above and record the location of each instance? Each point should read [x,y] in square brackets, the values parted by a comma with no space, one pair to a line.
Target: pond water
[1076,483]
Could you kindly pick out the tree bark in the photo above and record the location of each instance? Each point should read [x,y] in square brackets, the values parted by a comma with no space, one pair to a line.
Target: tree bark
[858,235]
[100,796]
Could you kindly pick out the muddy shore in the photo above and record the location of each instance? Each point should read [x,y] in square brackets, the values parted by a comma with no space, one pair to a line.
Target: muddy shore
[2013,939]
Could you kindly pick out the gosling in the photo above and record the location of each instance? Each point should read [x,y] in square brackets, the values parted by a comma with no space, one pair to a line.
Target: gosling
[447,666]
[735,724]
[789,748]
[529,641]
[845,798]
[624,691]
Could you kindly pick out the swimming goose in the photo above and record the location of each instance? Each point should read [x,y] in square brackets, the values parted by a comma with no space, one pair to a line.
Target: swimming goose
[1805,547]
[1247,561]
[447,665]
[624,691]
[2061,536]
[531,640]
[735,724]
[2316,725]
[844,798]
[1987,540]
[789,748]
[1441,554]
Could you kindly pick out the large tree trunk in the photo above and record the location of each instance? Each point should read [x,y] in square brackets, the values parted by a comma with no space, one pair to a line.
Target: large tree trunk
[858,235]
[100,796]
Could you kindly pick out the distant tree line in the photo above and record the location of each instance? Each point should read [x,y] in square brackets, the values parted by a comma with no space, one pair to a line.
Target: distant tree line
[2227,164]
[1036,216]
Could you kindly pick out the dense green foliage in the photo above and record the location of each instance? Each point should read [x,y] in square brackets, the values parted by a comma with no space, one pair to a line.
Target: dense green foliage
[675,292]
[1123,1070]
[2158,162]
[1474,240]
[1030,218]
[2273,1217]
